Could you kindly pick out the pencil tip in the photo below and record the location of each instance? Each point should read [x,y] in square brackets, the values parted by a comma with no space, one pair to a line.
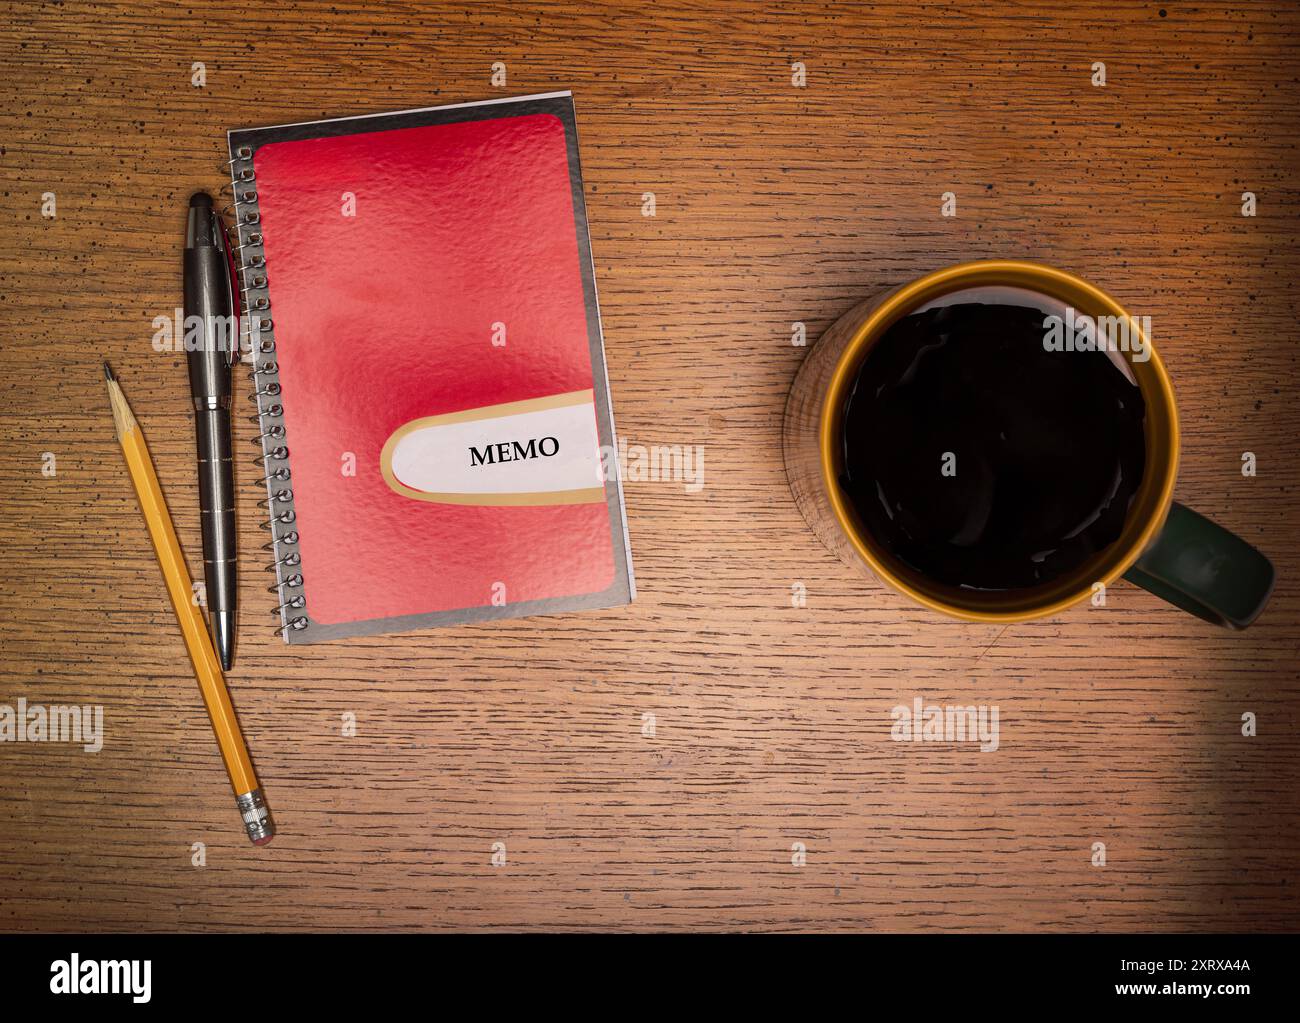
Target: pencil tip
[108,373]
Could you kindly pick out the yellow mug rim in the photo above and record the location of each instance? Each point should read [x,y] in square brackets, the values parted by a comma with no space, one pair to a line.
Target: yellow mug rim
[1046,280]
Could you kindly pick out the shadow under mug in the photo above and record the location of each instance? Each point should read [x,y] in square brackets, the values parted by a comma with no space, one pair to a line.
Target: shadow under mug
[1164,546]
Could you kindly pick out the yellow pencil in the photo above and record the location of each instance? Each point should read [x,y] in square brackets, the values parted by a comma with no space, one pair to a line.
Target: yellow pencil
[207,669]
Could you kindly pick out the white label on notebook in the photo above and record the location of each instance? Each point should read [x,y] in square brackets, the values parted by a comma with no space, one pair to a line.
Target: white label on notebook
[540,451]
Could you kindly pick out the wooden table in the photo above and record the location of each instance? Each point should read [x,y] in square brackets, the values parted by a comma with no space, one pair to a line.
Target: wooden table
[775,204]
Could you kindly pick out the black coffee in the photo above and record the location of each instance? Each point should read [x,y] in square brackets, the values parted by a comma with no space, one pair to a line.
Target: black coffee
[981,459]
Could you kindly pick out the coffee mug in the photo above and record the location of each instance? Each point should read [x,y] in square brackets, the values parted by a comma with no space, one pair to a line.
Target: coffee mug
[1162,546]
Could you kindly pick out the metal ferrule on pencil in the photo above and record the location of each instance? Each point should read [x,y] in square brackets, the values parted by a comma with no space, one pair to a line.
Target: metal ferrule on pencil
[257,817]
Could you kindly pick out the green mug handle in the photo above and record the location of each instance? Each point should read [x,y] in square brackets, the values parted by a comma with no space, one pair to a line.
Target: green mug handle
[1202,568]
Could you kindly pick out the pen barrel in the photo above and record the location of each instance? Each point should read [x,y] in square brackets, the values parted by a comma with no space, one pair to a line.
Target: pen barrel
[217,505]
[211,329]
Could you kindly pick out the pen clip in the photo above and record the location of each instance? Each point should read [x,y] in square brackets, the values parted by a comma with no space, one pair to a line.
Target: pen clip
[233,351]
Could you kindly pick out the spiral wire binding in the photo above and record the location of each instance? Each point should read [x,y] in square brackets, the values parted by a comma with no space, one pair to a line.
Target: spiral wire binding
[258,339]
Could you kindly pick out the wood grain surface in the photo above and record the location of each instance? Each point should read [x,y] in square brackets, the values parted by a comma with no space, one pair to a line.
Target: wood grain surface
[775,204]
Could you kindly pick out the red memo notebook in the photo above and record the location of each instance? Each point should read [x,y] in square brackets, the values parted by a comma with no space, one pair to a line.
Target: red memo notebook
[436,426]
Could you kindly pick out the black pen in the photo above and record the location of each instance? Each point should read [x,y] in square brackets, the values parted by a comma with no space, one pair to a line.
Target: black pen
[210,298]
